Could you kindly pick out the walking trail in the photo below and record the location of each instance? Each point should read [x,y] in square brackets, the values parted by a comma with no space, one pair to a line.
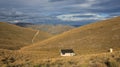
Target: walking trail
[35,36]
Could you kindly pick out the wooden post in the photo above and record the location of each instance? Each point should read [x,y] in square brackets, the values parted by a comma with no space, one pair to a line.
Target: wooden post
[111,50]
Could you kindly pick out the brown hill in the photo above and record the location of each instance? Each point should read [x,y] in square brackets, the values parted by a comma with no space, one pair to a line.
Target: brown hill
[91,38]
[53,29]
[14,37]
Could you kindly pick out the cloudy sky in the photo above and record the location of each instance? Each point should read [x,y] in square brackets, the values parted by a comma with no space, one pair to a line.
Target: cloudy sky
[58,11]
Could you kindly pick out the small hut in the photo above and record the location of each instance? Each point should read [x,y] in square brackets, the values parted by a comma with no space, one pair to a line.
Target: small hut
[67,52]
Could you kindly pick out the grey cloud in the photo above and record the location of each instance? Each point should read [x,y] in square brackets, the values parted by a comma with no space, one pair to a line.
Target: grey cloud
[38,10]
[55,0]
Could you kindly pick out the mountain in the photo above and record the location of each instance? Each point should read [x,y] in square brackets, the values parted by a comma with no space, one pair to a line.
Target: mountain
[53,29]
[22,24]
[14,37]
[92,38]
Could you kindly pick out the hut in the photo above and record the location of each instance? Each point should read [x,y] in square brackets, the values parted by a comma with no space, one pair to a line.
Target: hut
[67,52]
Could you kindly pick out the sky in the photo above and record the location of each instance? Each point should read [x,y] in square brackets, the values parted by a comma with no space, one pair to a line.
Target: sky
[74,12]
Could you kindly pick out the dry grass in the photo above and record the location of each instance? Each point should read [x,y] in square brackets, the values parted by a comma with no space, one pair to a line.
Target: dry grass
[14,37]
[23,59]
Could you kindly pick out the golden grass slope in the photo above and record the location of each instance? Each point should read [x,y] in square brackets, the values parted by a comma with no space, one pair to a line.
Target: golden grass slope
[92,38]
[14,37]
[10,58]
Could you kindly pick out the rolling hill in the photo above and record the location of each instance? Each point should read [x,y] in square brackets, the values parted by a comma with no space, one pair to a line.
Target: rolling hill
[52,29]
[14,37]
[92,38]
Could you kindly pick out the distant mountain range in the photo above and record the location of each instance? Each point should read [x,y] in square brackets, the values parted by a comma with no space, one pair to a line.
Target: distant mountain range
[22,24]
[50,28]
[53,29]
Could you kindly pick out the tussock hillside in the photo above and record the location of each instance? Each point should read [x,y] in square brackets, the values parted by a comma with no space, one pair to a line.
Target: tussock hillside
[92,38]
[53,29]
[14,37]
[12,58]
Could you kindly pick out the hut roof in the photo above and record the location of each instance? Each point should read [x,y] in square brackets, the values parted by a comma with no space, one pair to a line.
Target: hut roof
[67,51]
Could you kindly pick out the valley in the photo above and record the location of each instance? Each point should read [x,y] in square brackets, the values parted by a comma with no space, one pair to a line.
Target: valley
[26,47]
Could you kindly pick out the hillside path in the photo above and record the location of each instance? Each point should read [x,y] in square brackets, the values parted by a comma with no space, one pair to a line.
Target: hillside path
[35,36]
